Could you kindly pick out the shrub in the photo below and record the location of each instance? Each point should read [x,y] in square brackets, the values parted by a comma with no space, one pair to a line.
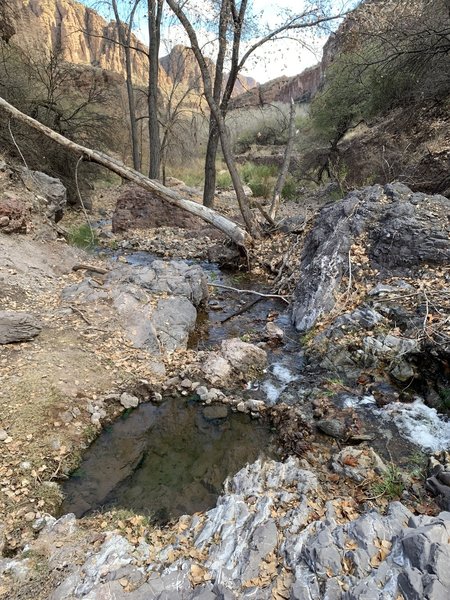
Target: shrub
[83,237]
[223,180]
[259,178]
[391,483]
[289,191]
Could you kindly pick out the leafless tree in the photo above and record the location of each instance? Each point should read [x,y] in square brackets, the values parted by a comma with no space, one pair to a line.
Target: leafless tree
[124,32]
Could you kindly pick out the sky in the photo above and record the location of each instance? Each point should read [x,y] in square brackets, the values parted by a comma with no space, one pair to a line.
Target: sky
[284,57]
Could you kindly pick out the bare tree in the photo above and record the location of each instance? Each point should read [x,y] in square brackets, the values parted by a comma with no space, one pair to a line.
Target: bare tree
[155,15]
[286,163]
[208,89]
[234,18]
[124,32]
[179,104]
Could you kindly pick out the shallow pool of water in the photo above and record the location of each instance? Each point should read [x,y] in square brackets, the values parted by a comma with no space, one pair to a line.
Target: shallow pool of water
[166,460]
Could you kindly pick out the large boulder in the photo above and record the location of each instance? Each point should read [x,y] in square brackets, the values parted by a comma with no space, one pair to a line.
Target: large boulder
[139,209]
[264,539]
[50,192]
[397,232]
[155,305]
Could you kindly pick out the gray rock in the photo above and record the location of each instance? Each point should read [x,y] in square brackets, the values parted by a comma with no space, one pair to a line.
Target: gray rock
[333,428]
[17,327]
[159,324]
[294,224]
[50,190]
[274,332]
[242,356]
[128,400]
[402,237]
[434,590]
[216,411]
[357,464]
[216,369]
[410,583]
[264,511]
[173,319]
[202,392]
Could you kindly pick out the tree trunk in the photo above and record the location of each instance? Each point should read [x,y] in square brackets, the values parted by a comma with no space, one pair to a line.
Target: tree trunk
[125,41]
[286,163]
[210,164]
[209,189]
[132,111]
[249,219]
[232,230]
[155,8]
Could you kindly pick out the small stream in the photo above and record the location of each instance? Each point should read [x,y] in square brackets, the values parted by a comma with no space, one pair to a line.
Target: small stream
[172,459]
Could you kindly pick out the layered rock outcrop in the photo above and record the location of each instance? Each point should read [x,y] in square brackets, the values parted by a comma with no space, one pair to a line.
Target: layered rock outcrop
[263,540]
[373,289]
[83,36]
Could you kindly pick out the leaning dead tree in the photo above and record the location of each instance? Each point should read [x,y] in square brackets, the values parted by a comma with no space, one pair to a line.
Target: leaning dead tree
[229,228]
[286,164]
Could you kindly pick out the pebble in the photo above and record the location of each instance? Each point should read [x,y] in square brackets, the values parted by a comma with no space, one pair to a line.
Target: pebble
[128,400]
[3,435]
[333,428]
[202,392]
[95,418]
[274,332]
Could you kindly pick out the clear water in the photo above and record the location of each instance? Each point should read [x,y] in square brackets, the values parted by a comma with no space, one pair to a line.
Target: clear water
[165,461]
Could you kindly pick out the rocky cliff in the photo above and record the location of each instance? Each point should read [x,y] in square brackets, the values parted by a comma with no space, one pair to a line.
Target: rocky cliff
[180,65]
[301,88]
[85,38]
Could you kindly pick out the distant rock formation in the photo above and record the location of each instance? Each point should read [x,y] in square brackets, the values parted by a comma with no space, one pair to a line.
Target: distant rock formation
[86,38]
[180,65]
[300,87]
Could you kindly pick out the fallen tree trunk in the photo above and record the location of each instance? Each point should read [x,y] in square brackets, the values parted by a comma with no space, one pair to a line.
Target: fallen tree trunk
[229,228]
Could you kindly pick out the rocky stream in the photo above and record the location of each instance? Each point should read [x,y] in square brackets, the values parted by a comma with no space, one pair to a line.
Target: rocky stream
[243,449]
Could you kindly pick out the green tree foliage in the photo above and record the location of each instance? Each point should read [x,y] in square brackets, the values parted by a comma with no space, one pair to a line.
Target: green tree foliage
[393,52]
